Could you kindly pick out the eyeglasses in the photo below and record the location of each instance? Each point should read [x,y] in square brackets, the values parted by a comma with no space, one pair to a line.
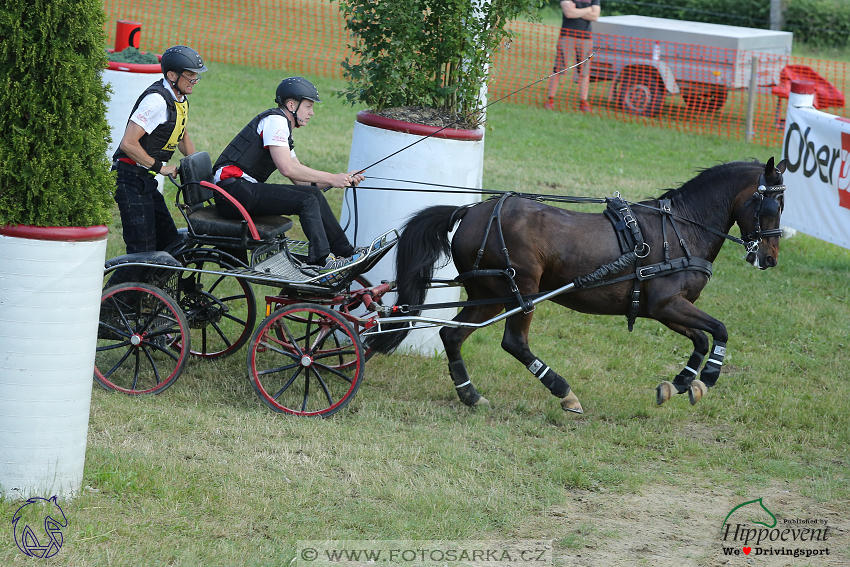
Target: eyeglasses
[192,81]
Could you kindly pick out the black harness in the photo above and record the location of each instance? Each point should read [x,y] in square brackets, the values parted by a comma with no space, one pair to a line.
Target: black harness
[631,240]
[508,272]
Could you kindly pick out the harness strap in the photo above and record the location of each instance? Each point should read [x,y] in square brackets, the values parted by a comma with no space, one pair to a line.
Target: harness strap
[671,267]
[509,272]
[630,238]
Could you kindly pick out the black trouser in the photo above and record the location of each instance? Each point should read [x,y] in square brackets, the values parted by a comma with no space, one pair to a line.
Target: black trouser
[145,219]
[317,219]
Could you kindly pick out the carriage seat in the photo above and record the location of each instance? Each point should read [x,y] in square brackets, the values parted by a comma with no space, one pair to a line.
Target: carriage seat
[203,215]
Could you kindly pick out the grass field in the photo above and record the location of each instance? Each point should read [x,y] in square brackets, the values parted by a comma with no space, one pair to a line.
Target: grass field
[205,475]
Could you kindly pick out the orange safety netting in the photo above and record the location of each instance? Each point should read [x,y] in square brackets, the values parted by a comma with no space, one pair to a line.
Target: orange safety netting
[684,87]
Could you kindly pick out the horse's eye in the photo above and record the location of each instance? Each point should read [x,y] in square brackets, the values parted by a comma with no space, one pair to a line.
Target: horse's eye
[769,208]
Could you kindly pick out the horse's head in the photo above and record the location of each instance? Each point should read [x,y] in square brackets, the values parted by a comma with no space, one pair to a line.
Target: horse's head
[758,216]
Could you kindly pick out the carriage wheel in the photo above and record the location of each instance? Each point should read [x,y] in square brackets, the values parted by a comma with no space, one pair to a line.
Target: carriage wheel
[142,340]
[221,309]
[305,359]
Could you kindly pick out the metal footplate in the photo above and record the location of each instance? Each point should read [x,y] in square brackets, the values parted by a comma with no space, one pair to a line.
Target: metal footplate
[284,270]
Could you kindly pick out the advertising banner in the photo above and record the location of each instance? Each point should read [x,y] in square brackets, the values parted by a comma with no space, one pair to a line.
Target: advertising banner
[817,147]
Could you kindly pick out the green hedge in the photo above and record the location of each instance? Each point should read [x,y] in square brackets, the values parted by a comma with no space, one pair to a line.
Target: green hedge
[53,165]
[816,22]
[819,22]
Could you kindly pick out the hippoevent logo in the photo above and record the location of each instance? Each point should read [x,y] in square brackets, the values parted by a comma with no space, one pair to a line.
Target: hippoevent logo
[39,512]
[803,153]
[762,534]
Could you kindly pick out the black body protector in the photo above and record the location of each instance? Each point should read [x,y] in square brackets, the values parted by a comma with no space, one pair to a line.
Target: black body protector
[247,152]
[162,142]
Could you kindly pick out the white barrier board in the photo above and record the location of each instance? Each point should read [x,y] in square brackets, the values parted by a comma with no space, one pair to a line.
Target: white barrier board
[817,147]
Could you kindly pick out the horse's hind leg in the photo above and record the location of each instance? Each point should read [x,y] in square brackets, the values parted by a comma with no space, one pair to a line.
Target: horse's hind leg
[515,342]
[453,338]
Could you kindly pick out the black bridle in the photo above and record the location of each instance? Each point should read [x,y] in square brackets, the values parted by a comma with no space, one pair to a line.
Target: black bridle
[768,206]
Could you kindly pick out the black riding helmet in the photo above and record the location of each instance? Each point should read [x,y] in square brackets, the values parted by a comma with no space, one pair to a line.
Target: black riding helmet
[297,88]
[181,58]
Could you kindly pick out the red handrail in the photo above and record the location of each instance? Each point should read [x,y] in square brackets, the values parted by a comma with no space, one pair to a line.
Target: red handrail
[251,228]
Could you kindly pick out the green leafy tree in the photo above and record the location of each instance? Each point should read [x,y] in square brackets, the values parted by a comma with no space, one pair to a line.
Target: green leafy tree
[425,52]
[53,165]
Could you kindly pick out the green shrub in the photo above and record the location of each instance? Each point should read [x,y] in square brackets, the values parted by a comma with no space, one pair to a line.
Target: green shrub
[133,55]
[424,52]
[819,22]
[53,165]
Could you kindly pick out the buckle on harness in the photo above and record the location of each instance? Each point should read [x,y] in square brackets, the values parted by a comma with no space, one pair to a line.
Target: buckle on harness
[648,272]
[643,247]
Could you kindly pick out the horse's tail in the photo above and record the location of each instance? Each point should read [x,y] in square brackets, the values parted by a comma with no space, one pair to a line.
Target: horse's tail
[424,239]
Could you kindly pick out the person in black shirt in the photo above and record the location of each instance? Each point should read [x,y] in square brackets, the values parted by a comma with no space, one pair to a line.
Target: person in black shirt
[574,39]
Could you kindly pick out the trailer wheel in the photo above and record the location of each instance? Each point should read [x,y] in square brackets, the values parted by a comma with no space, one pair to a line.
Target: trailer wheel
[306,360]
[705,99]
[641,94]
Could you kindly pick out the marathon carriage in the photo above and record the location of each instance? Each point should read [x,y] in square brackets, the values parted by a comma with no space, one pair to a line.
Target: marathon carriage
[307,356]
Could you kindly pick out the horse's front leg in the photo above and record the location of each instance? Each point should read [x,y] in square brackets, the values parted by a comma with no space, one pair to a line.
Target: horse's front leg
[682,316]
[515,342]
[684,379]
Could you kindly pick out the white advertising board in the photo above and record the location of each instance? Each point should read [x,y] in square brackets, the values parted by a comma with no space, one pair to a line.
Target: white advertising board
[817,147]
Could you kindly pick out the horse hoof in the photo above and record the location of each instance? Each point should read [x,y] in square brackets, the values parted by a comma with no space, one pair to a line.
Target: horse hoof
[570,403]
[664,392]
[482,403]
[697,390]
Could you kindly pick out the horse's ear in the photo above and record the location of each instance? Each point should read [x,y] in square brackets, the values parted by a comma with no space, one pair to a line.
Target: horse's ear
[768,168]
[782,166]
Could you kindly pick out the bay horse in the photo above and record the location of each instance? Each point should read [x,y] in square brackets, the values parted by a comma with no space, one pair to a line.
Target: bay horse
[517,245]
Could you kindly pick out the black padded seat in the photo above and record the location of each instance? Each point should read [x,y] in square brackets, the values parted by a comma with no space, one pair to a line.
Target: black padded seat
[208,221]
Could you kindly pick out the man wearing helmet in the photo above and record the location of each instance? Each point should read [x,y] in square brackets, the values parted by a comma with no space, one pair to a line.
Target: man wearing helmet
[156,127]
[266,145]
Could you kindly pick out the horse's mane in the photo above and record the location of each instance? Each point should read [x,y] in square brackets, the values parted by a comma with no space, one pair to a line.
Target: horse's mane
[715,177]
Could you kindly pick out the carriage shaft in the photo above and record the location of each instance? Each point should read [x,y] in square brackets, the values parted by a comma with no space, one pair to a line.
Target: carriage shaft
[429,322]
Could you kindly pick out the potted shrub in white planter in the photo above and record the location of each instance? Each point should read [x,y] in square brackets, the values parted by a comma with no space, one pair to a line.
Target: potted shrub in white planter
[419,69]
[55,199]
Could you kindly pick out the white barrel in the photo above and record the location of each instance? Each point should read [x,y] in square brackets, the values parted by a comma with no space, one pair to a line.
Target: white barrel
[49,309]
[802,94]
[127,81]
[451,157]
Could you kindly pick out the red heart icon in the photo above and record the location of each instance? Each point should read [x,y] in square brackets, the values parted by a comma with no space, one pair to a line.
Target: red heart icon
[747,550]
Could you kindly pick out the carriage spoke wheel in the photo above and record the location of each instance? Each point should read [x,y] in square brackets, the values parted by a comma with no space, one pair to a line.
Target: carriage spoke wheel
[221,309]
[142,340]
[306,360]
